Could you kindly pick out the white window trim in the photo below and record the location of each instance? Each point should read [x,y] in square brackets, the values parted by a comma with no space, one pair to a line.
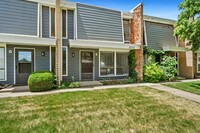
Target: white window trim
[15,60]
[5,63]
[115,62]
[64,75]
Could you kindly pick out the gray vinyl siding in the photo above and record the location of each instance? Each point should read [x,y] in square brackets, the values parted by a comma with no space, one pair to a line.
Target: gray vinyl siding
[159,35]
[70,24]
[74,66]
[18,17]
[42,62]
[95,23]
[45,21]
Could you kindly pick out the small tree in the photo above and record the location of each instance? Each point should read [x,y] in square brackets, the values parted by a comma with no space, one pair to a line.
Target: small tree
[132,65]
[188,24]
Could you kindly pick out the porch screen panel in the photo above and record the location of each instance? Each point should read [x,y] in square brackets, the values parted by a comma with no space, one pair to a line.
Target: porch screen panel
[2,63]
[122,63]
[107,63]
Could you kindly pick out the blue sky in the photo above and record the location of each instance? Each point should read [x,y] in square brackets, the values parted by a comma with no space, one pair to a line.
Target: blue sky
[160,8]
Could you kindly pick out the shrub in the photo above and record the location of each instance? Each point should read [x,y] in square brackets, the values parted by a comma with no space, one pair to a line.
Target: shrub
[169,68]
[41,81]
[74,85]
[152,72]
[132,65]
[70,85]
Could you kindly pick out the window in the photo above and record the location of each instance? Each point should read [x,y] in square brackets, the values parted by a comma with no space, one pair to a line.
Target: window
[2,64]
[122,63]
[106,63]
[64,61]
[53,22]
[64,23]
[126,30]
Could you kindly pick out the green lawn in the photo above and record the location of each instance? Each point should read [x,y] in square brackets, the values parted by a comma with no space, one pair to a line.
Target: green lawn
[115,110]
[193,87]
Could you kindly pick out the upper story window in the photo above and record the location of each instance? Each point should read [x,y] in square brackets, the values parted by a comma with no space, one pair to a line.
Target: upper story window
[64,24]
[126,24]
[53,29]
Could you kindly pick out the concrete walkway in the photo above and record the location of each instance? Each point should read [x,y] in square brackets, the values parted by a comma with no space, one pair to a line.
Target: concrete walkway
[176,92]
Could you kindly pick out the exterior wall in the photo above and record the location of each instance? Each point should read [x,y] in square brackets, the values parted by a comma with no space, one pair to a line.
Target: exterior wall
[137,36]
[159,35]
[184,70]
[45,21]
[41,62]
[74,65]
[95,23]
[18,17]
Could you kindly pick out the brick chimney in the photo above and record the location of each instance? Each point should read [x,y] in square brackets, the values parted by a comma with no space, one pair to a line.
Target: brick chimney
[137,37]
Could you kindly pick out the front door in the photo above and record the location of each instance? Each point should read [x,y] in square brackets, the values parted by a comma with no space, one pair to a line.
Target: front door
[87,65]
[24,65]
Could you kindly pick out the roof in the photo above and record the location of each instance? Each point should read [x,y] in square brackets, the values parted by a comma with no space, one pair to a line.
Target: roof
[159,20]
[102,45]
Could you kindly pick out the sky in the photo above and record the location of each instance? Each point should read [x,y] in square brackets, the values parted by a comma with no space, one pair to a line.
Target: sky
[159,8]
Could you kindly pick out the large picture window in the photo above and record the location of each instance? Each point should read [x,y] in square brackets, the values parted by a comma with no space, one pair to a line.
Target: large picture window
[122,63]
[113,63]
[64,61]
[107,63]
[2,63]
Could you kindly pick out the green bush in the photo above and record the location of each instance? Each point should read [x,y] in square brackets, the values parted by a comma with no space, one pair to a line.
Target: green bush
[152,72]
[70,85]
[132,65]
[41,81]
[169,68]
[74,85]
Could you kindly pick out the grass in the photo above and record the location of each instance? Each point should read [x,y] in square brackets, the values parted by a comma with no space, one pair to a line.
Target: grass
[193,87]
[116,110]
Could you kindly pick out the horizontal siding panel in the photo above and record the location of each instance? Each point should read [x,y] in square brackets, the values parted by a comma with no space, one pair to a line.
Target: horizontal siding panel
[18,17]
[97,23]
[159,35]
[97,9]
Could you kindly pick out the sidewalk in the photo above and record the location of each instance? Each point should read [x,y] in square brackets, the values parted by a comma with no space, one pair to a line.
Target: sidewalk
[158,86]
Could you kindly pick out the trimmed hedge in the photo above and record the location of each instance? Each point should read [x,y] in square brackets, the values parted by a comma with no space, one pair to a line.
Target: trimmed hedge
[41,81]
